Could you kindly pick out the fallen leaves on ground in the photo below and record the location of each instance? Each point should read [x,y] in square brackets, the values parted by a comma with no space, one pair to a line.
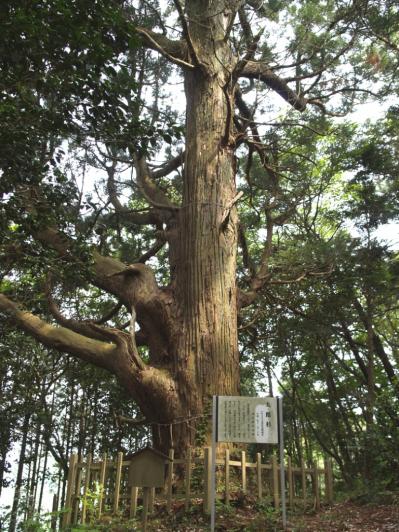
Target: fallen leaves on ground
[350,517]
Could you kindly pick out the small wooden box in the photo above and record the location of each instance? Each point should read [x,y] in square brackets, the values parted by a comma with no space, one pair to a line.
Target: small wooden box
[147,468]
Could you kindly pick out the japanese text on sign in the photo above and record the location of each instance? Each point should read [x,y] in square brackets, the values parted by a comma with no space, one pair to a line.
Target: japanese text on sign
[247,419]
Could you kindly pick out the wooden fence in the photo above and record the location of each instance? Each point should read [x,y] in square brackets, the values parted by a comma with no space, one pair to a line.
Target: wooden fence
[101,487]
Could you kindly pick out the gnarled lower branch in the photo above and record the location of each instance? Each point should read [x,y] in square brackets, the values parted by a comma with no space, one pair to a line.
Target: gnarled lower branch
[119,356]
[101,354]
[80,327]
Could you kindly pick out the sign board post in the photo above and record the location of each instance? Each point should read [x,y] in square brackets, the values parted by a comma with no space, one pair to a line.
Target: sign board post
[282,472]
[246,420]
[213,461]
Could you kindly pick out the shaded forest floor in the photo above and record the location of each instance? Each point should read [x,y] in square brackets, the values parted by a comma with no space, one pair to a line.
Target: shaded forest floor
[349,516]
[340,517]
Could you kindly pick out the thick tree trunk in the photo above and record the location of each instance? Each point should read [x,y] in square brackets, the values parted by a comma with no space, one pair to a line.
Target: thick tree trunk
[206,360]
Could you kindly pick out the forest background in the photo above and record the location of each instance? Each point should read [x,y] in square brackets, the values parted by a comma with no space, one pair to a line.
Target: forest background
[108,216]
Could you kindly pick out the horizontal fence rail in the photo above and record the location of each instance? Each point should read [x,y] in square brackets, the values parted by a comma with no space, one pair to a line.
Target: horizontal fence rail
[98,488]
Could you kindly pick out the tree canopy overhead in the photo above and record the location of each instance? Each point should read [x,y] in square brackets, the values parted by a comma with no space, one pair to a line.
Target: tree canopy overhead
[146,240]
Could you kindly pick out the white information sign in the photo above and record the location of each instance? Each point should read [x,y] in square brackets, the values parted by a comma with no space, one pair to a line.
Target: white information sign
[247,419]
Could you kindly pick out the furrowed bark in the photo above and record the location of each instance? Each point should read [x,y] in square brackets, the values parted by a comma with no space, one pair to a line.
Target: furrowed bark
[207,348]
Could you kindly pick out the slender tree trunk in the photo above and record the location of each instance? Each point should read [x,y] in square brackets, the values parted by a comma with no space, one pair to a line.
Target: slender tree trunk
[46,453]
[5,446]
[18,481]
[42,482]
[269,376]
[27,484]
[7,423]
[35,469]
[370,370]
[68,441]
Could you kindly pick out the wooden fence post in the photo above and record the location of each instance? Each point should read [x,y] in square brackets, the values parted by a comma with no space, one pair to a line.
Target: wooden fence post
[303,482]
[54,509]
[276,495]
[70,490]
[328,476]
[244,472]
[151,500]
[326,483]
[207,479]
[86,488]
[103,471]
[259,474]
[118,475]
[169,480]
[133,501]
[146,496]
[290,483]
[316,486]
[227,476]
[76,498]
[188,479]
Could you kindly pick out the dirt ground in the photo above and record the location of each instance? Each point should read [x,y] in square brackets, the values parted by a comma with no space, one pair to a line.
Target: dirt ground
[348,516]
[341,517]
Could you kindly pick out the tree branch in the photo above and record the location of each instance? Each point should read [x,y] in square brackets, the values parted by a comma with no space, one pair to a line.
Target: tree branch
[258,70]
[169,166]
[159,244]
[90,329]
[248,263]
[154,195]
[101,354]
[190,45]
[151,217]
[174,51]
